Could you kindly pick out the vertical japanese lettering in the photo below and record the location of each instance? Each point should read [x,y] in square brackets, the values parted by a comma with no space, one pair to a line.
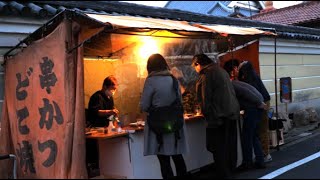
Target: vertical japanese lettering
[21,95]
[52,145]
[48,78]
[48,109]
[23,114]
[26,157]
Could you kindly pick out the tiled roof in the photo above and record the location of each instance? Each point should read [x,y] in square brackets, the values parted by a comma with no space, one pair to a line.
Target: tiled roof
[43,9]
[193,6]
[292,15]
[216,8]
[47,9]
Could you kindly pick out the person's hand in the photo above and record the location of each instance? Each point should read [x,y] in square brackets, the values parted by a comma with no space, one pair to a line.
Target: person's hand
[176,73]
[115,111]
[263,106]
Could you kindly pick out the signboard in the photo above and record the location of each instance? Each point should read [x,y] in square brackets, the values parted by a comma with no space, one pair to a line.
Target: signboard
[42,123]
[285,90]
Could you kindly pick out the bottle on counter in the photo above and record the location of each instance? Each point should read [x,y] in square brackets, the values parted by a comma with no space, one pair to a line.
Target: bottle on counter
[119,128]
[111,126]
[113,123]
[198,110]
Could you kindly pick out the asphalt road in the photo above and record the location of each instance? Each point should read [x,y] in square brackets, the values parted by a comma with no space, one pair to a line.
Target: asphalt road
[291,158]
[310,170]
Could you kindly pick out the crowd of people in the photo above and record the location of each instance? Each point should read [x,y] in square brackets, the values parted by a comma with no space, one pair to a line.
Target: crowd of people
[222,92]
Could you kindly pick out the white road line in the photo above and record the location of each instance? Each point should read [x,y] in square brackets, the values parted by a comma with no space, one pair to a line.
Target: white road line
[290,166]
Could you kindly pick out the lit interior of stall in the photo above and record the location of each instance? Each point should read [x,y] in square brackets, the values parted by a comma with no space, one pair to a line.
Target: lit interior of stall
[125,56]
[123,52]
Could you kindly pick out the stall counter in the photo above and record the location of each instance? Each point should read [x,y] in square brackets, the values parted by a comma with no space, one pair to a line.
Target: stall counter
[121,154]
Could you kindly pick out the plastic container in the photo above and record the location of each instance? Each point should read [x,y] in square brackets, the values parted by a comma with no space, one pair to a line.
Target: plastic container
[119,126]
[111,126]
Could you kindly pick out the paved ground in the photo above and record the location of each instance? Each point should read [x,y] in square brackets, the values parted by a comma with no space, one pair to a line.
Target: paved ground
[288,156]
[299,143]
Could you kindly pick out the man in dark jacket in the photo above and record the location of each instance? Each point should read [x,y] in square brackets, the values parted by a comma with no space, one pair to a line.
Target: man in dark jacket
[101,104]
[100,107]
[220,107]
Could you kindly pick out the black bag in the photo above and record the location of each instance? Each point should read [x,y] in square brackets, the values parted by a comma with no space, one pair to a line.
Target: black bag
[167,119]
[274,124]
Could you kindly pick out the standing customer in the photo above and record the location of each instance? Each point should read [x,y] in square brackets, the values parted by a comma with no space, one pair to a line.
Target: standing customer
[249,75]
[158,91]
[220,107]
[251,101]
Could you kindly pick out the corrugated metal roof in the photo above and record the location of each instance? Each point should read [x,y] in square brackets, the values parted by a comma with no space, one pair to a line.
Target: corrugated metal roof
[50,8]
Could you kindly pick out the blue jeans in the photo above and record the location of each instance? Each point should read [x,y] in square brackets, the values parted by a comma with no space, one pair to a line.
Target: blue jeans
[250,136]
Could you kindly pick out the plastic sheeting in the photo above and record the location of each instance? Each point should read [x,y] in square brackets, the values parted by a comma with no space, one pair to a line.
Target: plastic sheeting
[119,22]
[225,30]
[141,22]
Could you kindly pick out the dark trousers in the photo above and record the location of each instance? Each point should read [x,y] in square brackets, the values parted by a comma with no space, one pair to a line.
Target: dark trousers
[166,169]
[222,143]
[92,154]
[250,135]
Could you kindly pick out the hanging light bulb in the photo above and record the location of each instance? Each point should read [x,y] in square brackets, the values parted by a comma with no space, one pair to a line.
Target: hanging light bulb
[148,47]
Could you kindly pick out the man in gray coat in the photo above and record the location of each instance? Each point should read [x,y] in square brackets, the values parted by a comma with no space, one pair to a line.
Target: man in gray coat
[220,107]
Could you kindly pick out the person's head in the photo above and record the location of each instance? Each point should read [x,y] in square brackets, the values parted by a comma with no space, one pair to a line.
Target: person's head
[231,66]
[199,61]
[246,71]
[156,62]
[110,85]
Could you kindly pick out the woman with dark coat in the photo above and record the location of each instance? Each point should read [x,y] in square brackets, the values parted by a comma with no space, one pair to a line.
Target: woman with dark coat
[248,74]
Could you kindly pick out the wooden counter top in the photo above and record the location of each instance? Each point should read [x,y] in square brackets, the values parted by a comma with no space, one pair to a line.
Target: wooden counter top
[109,135]
[193,117]
[126,130]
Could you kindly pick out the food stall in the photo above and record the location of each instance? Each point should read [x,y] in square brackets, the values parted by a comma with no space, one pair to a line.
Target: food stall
[55,70]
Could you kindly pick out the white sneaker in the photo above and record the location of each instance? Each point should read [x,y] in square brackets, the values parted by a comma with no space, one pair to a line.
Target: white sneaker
[267,158]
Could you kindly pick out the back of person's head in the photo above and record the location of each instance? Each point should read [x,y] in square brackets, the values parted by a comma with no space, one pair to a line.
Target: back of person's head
[246,71]
[156,62]
[247,67]
[110,81]
[230,64]
[201,59]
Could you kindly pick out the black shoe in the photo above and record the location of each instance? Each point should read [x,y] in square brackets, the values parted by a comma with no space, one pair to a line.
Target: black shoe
[260,165]
[244,167]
